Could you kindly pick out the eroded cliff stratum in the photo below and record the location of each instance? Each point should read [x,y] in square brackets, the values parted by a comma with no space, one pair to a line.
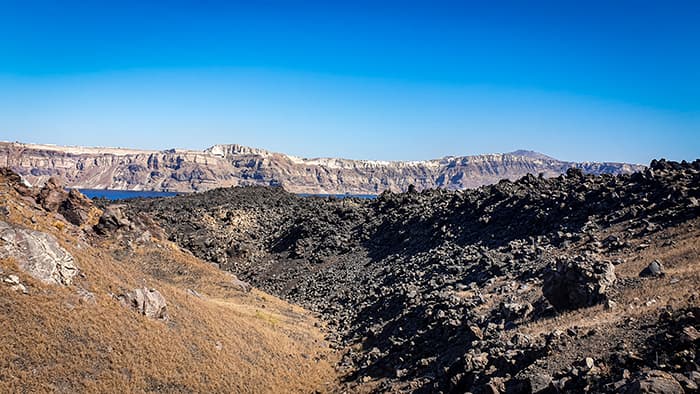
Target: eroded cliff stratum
[232,165]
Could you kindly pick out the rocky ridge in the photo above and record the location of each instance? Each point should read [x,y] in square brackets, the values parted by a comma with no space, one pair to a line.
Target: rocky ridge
[232,165]
[527,286]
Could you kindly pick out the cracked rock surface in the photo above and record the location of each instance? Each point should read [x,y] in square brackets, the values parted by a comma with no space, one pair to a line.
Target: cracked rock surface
[37,253]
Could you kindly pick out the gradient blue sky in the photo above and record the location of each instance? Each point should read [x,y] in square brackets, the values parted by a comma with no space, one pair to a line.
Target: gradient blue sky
[605,81]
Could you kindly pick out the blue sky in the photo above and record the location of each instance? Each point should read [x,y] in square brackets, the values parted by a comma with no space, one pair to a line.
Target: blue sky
[397,80]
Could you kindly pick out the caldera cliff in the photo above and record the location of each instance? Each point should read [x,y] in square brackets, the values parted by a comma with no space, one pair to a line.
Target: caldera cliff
[231,165]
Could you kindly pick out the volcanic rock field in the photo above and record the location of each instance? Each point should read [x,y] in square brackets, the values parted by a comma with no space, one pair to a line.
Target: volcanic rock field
[566,284]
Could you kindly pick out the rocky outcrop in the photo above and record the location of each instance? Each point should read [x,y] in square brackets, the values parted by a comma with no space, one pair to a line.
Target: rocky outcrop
[15,181]
[148,302]
[577,283]
[231,165]
[73,205]
[112,219]
[76,208]
[15,284]
[38,254]
[78,339]
[51,195]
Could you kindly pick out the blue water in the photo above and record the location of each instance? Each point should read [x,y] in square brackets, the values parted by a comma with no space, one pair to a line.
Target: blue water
[365,196]
[124,194]
[127,194]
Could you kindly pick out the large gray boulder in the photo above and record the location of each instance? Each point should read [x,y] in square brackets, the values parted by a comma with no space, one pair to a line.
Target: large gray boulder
[148,302]
[578,282]
[38,254]
[654,269]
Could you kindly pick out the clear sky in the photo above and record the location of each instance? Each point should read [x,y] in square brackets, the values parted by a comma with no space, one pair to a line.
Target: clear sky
[403,80]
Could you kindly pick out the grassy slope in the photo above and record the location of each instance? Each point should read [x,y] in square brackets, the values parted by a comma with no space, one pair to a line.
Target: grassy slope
[226,341]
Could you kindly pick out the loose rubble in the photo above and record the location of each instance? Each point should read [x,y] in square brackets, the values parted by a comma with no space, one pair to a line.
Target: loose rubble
[429,291]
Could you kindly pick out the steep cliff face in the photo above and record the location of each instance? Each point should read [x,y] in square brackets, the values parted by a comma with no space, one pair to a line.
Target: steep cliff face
[229,165]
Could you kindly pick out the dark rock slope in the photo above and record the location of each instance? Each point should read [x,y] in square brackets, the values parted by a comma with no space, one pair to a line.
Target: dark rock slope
[485,290]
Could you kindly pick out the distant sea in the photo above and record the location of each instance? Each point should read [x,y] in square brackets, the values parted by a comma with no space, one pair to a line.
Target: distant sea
[124,194]
[366,196]
[127,194]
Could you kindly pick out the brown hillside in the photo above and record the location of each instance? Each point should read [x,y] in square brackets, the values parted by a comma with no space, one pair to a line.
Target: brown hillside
[79,338]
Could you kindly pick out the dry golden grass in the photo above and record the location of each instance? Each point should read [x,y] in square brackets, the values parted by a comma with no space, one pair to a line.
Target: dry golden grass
[678,289]
[227,341]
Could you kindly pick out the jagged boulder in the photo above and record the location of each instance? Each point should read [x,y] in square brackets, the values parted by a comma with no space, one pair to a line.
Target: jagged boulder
[73,205]
[13,179]
[578,282]
[38,254]
[112,219]
[76,208]
[654,269]
[52,195]
[148,302]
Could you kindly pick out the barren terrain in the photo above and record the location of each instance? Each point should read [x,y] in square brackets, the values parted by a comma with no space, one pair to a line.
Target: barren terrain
[578,283]
[218,336]
[521,286]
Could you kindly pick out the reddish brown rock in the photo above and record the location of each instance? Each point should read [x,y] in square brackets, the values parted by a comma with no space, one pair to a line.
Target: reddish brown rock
[52,195]
[76,208]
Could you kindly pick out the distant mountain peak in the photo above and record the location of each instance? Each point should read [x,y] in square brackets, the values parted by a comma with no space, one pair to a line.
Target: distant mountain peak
[531,154]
